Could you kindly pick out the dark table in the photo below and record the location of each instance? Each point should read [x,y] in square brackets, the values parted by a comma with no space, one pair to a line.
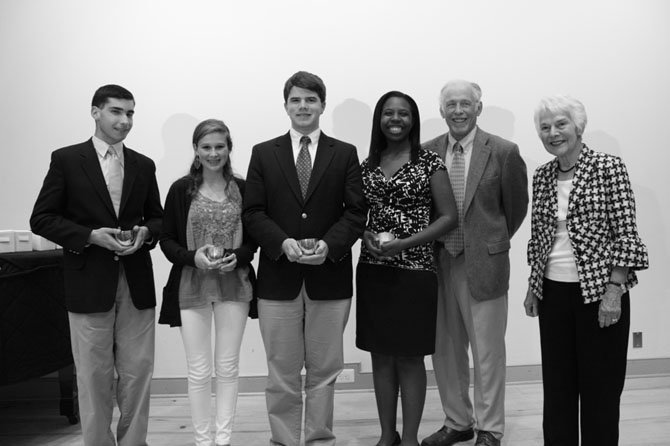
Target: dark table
[34,328]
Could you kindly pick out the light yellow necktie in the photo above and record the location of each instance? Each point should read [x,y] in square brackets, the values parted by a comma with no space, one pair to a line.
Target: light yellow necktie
[114,178]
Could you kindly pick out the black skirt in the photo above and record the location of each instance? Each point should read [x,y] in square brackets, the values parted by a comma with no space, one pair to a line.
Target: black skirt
[396,310]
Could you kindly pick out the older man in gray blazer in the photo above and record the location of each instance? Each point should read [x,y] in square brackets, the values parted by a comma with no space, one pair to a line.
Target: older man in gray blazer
[490,185]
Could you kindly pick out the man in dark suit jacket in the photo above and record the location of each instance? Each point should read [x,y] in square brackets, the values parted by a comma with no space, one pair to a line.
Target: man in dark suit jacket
[473,269]
[91,192]
[305,295]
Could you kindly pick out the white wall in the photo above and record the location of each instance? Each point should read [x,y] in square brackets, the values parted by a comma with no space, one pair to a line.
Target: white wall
[187,61]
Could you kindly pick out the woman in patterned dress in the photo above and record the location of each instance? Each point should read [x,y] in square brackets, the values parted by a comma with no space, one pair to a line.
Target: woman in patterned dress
[583,251]
[202,211]
[409,195]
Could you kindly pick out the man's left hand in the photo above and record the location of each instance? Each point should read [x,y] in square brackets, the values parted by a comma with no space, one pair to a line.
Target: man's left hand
[319,256]
[142,234]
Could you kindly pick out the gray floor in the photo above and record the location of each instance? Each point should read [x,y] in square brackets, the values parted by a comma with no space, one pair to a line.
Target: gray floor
[645,418]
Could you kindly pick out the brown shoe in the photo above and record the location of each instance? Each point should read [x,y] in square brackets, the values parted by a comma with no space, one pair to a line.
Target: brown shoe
[447,436]
[485,438]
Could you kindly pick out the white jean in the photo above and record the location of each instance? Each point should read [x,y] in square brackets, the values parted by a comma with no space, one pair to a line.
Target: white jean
[230,318]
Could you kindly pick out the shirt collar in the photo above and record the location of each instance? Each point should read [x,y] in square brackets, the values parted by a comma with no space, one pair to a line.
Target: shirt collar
[466,142]
[101,147]
[296,135]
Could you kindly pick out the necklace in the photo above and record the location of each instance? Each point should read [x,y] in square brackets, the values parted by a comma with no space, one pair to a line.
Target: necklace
[558,165]
[214,192]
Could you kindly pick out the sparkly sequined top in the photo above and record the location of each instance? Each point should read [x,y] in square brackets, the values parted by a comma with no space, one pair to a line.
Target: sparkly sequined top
[219,224]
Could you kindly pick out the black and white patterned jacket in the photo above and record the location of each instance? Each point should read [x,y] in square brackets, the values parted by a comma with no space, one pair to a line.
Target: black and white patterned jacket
[601,223]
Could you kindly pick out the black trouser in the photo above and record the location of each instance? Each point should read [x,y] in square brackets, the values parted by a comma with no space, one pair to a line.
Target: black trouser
[583,367]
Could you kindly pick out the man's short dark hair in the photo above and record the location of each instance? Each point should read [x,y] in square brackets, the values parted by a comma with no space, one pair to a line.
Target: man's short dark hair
[308,81]
[104,93]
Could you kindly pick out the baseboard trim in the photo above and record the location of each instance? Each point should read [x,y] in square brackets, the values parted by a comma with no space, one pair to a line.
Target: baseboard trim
[47,387]
[363,381]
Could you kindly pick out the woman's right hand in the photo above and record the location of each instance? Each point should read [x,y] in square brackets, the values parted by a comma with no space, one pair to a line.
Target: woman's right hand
[202,261]
[370,240]
[531,304]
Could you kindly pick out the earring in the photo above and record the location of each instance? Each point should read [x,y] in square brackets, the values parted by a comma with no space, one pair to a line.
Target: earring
[196,162]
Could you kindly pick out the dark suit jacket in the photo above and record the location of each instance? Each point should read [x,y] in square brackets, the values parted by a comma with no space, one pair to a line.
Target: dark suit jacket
[333,210]
[73,201]
[495,204]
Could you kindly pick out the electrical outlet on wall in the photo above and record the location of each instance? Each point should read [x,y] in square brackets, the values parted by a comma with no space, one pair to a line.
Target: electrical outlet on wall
[346,376]
[637,339]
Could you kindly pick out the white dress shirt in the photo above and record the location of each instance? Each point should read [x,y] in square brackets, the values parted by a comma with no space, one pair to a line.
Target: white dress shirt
[101,148]
[467,142]
[295,143]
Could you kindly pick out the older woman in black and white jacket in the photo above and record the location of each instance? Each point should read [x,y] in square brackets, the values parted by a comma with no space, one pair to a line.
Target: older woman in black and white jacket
[583,252]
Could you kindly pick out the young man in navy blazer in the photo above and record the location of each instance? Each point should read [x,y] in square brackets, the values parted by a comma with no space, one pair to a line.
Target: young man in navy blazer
[91,191]
[299,188]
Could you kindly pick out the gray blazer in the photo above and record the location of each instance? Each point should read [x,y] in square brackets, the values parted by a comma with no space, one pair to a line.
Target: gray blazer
[495,204]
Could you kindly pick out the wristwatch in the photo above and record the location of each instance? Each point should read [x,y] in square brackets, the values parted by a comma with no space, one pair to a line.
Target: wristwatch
[621,286]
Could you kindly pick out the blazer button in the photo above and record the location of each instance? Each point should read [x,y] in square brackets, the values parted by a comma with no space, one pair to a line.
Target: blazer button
[304,216]
[116,258]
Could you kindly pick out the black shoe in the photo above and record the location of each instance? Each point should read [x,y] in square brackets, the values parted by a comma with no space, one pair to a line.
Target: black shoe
[447,436]
[486,438]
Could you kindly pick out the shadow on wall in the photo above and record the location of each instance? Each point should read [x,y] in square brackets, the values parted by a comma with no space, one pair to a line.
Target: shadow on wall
[178,150]
[352,123]
[498,121]
[495,120]
[432,128]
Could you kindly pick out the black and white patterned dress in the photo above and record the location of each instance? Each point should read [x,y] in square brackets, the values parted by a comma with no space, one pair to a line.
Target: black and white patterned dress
[396,298]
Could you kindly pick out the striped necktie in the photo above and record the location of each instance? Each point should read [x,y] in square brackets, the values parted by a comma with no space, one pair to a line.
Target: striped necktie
[303,164]
[454,239]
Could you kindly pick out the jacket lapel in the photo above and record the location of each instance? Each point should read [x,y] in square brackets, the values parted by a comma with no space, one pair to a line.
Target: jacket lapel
[550,196]
[284,155]
[130,170]
[91,167]
[324,154]
[440,146]
[580,178]
[480,156]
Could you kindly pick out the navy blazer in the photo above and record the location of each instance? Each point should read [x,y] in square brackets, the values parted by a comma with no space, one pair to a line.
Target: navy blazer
[333,210]
[73,201]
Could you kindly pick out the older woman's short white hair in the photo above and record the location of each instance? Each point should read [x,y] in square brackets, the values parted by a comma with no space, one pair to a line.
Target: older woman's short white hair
[476,91]
[562,104]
